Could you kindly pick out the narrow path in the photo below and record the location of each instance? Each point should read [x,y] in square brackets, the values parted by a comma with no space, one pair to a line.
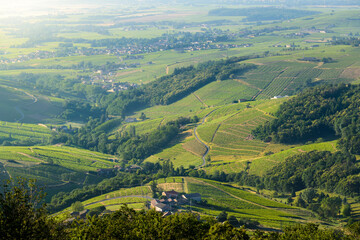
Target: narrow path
[266,113]
[161,122]
[4,171]
[216,130]
[29,156]
[17,108]
[198,98]
[22,115]
[248,84]
[200,141]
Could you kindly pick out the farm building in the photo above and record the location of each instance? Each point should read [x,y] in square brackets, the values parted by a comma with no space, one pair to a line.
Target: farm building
[158,206]
[170,194]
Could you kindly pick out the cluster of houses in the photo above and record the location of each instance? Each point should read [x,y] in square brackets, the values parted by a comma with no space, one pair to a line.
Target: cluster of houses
[106,81]
[196,46]
[30,56]
[171,201]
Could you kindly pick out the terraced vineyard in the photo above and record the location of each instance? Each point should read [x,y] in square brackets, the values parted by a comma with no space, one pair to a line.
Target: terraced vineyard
[262,75]
[289,79]
[56,168]
[22,131]
[135,197]
[186,151]
[229,134]
[241,204]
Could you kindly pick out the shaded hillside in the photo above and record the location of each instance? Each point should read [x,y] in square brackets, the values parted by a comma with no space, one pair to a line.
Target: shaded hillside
[317,112]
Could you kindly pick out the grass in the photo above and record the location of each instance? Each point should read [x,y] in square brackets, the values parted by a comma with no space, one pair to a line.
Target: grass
[184,151]
[227,130]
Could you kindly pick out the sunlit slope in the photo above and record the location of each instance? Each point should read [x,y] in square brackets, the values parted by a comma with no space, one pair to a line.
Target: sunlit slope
[228,130]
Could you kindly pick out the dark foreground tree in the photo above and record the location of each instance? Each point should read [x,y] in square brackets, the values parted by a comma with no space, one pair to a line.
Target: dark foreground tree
[22,214]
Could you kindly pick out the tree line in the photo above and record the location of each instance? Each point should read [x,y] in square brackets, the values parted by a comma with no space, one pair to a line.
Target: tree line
[353,41]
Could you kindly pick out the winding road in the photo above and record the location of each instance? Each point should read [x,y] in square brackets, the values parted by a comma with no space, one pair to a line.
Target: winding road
[17,108]
[199,140]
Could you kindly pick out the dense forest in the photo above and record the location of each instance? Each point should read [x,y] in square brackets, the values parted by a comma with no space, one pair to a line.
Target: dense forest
[316,113]
[332,172]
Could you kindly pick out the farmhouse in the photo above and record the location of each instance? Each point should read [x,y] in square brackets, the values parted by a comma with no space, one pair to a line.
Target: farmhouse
[158,206]
[170,194]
